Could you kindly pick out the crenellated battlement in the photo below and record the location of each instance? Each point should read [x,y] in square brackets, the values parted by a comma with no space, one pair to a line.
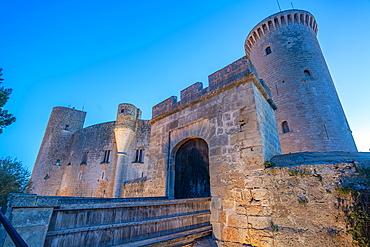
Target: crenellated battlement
[277,21]
[217,80]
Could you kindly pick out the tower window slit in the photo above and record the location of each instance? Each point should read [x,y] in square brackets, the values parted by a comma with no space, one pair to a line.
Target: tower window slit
[307,74]
[268,50]
[141,155]
[285,126]
[84,158]
[137,156]
[58,162]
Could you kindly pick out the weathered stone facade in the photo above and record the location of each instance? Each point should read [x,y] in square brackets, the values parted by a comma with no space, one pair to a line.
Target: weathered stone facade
[287,55]
[89,163]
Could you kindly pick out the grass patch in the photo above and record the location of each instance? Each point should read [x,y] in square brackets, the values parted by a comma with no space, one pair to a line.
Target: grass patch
[269,164]
[303,201]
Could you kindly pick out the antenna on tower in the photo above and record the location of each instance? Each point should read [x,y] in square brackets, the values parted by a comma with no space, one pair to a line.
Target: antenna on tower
[292,5]
[278,5]
[83,106]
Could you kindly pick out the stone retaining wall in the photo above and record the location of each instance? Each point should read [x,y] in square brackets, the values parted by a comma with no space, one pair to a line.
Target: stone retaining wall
[290,205]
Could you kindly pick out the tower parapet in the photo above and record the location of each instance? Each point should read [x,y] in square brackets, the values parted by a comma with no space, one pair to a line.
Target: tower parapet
[279,20]
[287,55]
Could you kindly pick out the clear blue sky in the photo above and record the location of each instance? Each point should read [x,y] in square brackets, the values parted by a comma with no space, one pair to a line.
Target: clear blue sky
[98,54]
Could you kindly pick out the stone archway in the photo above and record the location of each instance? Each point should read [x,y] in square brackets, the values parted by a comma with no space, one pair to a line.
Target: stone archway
[192,170]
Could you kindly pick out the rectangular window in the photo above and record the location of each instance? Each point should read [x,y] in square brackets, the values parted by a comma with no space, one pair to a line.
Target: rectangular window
[141,156]
[138,156]
[106,156]
[84,158]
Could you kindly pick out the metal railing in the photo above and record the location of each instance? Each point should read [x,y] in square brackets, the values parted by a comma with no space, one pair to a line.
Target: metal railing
[14,235]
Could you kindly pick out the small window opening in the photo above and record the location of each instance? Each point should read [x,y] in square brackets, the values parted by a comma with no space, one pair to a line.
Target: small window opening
[141,155]
[79,175]
[46,177]
[58,162]
[67,127]
[122,110]
[142,174]
[285,126]
[307,74]
[106,156]
[84,158]
[268,50]
[137,156]
[102,175]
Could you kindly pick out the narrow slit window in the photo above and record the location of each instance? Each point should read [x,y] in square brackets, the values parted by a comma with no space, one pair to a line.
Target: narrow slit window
[58,162]
[79,175]
[46,177]
[66,127]
[268,50]
[122,110]
[102,175]
[141,155]
[285,126]
[307,74]
[108,153]
[137,156]
[84,158]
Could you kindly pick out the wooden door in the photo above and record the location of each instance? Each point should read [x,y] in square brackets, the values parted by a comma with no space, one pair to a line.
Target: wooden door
[192,170]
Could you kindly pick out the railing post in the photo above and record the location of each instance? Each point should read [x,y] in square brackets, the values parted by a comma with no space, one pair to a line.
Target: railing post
[17,239]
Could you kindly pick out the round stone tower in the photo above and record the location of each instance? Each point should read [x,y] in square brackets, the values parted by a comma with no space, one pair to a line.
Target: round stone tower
[285,51]
[53,156]
[127,117]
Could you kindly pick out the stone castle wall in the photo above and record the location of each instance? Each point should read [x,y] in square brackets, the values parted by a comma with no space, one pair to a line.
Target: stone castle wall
[310,105]
[87,178]
[230,121]
[96,178]
[289,205]
[48,172]
[95,174]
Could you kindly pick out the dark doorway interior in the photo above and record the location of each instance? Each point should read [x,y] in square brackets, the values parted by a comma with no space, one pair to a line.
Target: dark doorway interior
[192,170]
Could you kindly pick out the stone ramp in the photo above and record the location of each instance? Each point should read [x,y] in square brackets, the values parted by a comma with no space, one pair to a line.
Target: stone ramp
[136,223]
[320,157]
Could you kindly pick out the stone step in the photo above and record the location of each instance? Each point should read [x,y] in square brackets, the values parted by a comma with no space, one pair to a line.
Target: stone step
[172,240]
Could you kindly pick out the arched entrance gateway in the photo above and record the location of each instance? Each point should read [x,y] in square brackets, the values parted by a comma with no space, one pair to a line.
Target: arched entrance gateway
[192,170]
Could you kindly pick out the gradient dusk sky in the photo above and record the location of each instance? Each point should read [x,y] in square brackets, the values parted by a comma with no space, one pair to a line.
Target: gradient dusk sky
[97,54]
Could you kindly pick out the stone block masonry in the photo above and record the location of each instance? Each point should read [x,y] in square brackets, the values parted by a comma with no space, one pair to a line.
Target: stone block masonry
[290,205]
[235,119]
[52,160]
[288,57]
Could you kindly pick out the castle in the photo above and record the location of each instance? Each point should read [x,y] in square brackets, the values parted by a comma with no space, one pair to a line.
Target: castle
[278,99]
[101,160]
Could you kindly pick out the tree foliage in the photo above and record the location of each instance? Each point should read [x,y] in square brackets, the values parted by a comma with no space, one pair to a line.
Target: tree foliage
[14,178]
[5,117]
